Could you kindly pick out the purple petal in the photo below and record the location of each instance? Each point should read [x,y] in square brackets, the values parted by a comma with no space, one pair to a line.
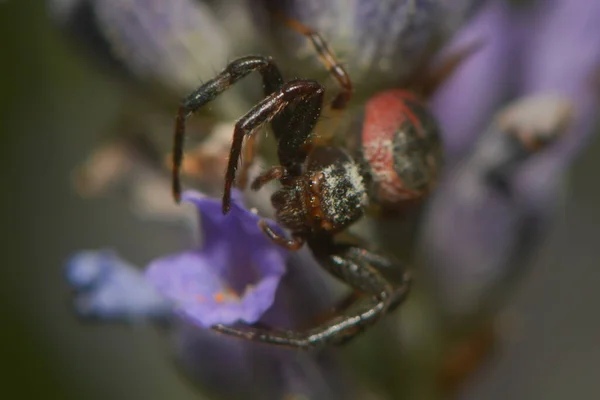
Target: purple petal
[477,232]
[173,44]
[233,277]
[109,288]
[563,57]
[467,101]
[563,53]
[381,43]
[238,369]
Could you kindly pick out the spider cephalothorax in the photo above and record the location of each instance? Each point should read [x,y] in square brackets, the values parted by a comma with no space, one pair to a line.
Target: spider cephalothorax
[327,196]
[323,190]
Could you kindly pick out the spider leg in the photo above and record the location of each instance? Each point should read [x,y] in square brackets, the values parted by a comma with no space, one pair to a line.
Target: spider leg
[236,70]
[247,160]
[291,244]
[273,173]
[335,331]
[364,270]
[382,284]
[307,96]
[328,59]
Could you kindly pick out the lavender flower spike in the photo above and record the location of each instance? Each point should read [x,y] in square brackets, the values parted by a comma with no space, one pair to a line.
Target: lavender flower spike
[478,233]
[108,288]
[232,277]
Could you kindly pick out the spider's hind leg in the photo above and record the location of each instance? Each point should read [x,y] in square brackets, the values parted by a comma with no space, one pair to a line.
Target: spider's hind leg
[328,59]
[368,273]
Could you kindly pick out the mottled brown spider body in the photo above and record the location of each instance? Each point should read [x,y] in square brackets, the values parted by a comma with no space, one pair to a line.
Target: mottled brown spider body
[323,189]
[328,196]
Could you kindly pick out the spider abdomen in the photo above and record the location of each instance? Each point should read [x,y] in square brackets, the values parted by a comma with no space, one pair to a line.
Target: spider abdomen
[401,147]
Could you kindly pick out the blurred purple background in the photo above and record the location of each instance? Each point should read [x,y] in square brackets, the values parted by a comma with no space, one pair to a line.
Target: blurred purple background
[54,110]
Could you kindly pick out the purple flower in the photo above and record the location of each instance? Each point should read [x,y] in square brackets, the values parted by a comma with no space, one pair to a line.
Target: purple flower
[560,56]
[382,43]
[478,232]
[152,39]
[108,288]
[239,369]
[178,45]
[465,103]
[476,236]
[232,277]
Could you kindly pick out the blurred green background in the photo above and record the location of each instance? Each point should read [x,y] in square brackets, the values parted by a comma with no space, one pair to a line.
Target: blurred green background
[54,109]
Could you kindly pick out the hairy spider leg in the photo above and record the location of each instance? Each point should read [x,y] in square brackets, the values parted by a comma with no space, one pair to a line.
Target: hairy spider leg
[247,160]
[367,273]
[278,172]
[307,97]
[236,70]
[328,59]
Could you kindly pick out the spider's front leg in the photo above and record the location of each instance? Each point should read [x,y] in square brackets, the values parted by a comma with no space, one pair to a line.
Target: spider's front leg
[307,95]
[329,60]
[382,285]
[236,70]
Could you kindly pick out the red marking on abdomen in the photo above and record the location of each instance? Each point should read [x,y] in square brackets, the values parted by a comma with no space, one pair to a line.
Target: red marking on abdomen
[385,113]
